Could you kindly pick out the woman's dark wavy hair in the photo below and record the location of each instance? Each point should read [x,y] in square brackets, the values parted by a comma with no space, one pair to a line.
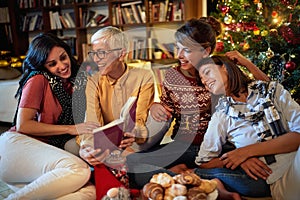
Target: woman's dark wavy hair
[38,53]
[237,80]
[201,31]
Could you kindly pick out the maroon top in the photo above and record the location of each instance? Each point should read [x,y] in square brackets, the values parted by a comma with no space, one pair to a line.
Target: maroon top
[190,103]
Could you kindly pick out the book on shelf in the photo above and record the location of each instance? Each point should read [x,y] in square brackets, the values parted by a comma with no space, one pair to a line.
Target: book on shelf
[155,12]
[33,22]
[169,14]
[98,20]
[161,14]
[142,13]
[110,135]
[57,20]
[150,11]
[64,22]
[4,15]
[70,18]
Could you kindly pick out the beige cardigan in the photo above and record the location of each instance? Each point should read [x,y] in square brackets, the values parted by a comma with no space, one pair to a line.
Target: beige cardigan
[134,82]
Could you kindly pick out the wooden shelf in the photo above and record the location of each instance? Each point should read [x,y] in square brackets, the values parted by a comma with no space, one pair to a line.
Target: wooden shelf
[79,10]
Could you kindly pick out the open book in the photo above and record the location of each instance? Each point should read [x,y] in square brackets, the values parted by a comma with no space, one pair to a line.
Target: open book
[110,135]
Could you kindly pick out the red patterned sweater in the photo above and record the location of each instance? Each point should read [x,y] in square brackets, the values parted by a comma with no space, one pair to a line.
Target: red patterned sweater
[190,103]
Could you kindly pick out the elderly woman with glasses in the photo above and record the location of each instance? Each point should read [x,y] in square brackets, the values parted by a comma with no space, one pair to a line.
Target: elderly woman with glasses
[109,89]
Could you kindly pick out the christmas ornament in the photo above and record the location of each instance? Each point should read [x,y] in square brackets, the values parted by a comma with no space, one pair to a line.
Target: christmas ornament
[256,31]
[227,19]
[224,9]
[274,14]
[246,46]
[264,33]
[269,53]
[290,33]
[274,32]
[290,65]
[220,46]
[285,2]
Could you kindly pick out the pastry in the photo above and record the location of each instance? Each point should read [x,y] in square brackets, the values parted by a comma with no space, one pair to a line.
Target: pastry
[196,193]
[153,191]
[176,190]
[164,179]
[188,178]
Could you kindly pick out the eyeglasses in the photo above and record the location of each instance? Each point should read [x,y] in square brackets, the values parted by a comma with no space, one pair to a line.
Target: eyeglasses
[101,54]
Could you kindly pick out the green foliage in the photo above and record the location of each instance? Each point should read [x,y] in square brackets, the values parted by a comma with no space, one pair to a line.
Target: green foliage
[274,46]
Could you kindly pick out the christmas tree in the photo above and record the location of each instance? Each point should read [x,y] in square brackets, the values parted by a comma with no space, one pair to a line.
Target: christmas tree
[268,33]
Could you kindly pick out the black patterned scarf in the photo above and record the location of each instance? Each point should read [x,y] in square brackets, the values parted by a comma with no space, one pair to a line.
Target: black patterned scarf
[65,100]
[264,116]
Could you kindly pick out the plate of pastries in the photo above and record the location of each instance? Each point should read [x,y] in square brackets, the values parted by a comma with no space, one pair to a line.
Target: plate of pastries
[184,186]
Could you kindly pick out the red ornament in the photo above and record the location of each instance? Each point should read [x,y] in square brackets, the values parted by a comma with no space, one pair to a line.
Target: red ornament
[290,65]
[285,2]
[224,9]
[274,14]
[220,46]
[289,36]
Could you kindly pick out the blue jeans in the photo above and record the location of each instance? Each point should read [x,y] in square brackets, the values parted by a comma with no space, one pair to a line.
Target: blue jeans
[143,165]
[237,181]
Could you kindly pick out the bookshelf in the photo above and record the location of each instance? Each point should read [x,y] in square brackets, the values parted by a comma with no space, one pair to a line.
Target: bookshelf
[76,20]
[5,28]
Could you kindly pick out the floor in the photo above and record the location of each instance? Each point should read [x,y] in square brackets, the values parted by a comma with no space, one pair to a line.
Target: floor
[4,190]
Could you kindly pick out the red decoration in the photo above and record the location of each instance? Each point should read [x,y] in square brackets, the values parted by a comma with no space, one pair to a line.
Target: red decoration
[290,65]
[224,9]
[274,14]
[285,2]
[220,46]
[289,35]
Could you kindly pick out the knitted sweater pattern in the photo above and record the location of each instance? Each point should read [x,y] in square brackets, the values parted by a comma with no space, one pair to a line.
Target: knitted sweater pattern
[190,104]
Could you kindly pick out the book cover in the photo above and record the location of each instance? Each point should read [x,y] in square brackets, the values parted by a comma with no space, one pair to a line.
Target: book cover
[110,135]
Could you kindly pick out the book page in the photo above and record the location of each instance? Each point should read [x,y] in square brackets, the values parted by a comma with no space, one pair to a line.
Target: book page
[116,122]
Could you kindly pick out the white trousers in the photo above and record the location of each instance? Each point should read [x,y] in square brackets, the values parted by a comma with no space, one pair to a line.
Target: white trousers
[287,187]
[36,170]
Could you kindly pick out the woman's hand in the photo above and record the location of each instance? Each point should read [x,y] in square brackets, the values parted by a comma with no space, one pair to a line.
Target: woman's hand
[93,156]
[160,112]
[128,140]
[83,128]
[256,168]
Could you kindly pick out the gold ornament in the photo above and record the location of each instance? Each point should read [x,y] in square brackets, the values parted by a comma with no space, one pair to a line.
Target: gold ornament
[264,33]
[227,19]
[246,46]
[256,32]
[269,53]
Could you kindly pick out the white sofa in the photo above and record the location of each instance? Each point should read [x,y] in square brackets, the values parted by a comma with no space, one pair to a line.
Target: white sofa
[8,103]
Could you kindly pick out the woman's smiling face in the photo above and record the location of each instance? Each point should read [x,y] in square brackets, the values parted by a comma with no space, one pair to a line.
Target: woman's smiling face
[214,77]
[59,63]
[189,56]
